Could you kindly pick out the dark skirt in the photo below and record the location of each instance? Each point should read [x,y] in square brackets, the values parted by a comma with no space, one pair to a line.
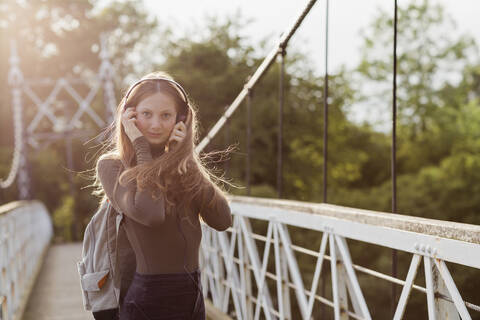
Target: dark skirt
[164,296]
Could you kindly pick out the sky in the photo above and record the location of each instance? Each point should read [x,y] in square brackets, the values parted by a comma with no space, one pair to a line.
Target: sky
[346,19]
[271,17]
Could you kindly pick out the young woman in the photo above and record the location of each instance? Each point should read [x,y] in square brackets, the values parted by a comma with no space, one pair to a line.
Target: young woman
[154,177]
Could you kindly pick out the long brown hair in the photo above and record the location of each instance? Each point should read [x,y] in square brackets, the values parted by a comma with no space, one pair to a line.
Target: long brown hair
[180,174]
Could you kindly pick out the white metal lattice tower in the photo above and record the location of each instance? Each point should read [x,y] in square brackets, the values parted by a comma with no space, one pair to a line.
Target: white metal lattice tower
[63,127]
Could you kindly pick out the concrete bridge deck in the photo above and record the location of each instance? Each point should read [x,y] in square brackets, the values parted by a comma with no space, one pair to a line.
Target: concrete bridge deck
[56,294]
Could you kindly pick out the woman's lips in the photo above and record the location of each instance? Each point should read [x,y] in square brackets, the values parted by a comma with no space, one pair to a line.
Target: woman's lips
[155,135]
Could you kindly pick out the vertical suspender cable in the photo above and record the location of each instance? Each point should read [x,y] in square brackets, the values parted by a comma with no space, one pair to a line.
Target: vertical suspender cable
[249,137]
[325,110]
[394,148]
[281,90]
[325,136]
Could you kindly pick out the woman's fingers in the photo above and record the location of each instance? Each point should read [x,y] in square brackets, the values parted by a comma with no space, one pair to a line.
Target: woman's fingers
[178,138]
[129,113]
[129,122]
[183,127]
[178,133]
[132,114]
[175,138]
[180,126]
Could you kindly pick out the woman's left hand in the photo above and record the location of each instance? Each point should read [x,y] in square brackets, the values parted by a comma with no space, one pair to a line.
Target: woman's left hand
[178,133]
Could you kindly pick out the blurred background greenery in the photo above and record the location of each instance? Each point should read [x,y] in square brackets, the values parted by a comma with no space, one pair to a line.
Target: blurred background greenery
[438,124]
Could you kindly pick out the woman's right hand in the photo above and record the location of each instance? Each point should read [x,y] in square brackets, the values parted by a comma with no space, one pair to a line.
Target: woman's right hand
[129,124]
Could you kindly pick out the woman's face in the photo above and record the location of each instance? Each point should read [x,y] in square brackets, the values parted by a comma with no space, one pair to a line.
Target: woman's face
[156,116]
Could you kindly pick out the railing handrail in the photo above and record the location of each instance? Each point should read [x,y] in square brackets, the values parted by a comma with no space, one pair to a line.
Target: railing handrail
[25,233]
[449,241]
[439,228]
[12,206]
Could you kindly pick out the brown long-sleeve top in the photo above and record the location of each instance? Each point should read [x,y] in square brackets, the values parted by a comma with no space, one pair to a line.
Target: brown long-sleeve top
[155,237]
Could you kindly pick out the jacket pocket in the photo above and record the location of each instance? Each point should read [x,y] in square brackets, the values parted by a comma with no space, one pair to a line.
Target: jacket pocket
[94,281]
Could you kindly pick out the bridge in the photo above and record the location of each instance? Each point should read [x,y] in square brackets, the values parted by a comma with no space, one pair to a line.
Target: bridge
[243,277]
[281,259]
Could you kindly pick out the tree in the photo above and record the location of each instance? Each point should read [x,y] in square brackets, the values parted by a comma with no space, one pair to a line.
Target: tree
[429,57]
[61,39]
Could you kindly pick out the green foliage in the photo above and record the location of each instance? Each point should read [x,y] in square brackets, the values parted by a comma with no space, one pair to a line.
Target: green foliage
[63,219]
[429,56]
[261,191]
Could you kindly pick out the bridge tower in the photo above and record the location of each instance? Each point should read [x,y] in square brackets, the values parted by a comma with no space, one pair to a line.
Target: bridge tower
[65,127]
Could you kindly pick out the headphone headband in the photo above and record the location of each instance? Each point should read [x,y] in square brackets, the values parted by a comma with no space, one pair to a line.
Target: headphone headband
[158,78]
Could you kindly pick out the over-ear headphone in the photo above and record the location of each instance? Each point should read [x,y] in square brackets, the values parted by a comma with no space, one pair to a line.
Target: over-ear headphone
[182,114]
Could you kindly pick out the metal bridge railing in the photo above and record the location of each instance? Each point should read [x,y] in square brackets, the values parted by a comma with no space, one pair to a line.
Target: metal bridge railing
[229,259]
[25,233]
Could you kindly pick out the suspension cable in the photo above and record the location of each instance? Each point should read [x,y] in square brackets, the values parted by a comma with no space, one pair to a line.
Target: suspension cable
[394,150]
[261,70]
[15,79]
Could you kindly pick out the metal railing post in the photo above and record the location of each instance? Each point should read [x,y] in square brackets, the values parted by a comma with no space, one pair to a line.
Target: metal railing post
[247,279]
[286,290]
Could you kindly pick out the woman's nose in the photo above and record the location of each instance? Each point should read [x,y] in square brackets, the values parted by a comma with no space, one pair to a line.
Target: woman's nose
[156,124]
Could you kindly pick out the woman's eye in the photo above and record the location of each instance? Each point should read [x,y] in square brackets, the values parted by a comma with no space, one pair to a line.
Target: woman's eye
[146,113]
[166,115]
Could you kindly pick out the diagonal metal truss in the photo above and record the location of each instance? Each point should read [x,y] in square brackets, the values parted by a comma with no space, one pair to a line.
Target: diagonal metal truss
[279,236]
[228,258]
[103,81]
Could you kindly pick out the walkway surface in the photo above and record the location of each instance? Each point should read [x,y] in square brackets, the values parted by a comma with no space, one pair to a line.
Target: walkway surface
[56,294]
